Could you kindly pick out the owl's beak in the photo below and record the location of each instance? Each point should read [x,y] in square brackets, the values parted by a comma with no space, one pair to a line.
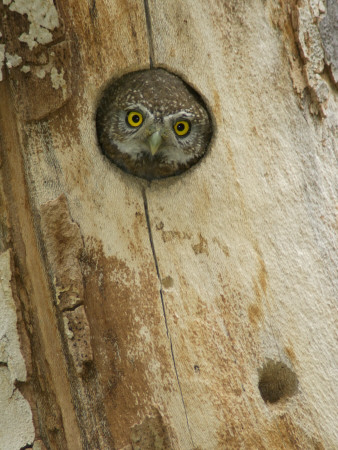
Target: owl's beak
[155,142]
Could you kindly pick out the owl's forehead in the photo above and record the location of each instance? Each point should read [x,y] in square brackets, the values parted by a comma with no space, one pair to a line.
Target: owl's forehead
[158,91]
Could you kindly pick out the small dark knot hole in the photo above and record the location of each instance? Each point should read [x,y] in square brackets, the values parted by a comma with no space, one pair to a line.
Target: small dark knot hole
[276,381]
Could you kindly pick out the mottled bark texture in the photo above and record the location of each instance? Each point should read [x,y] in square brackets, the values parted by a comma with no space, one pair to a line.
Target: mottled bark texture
[192,312]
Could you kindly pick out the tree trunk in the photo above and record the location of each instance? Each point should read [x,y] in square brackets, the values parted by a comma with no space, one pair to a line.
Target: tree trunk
[194,312]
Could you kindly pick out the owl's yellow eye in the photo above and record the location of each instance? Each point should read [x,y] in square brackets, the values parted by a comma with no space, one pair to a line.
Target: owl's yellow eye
[134,118]
[182,127]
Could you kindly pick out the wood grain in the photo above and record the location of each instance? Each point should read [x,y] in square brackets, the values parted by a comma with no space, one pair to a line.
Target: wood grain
[156,314]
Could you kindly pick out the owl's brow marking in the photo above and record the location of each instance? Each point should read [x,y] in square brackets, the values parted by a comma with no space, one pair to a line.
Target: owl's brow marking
[181,114]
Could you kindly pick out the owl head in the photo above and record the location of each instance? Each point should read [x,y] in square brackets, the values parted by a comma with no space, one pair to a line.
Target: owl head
[153,125]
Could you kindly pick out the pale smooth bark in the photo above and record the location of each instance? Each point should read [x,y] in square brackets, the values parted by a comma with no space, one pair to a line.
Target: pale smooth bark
[193,312]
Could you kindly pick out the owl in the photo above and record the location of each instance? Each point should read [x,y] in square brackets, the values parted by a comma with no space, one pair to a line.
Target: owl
[152,125]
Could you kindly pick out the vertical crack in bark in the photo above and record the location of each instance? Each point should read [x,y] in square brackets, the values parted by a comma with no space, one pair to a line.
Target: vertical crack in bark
[146,210]
[150,33]
[145,201]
